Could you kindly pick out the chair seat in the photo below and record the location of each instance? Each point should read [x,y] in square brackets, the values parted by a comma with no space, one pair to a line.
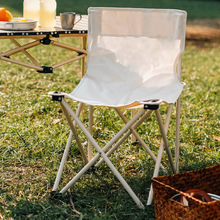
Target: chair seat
[122,70]
[164,86]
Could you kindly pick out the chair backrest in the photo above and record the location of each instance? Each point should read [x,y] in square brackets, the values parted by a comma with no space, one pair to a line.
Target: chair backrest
[137,22]
[138,39]
[130,54]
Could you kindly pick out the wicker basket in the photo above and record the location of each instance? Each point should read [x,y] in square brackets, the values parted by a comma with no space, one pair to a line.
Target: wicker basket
[165,187]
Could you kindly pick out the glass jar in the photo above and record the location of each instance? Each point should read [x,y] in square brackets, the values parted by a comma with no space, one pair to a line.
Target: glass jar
[47,13]
[31,9]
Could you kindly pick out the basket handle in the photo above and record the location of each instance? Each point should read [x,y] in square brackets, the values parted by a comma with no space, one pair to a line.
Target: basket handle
[192,201]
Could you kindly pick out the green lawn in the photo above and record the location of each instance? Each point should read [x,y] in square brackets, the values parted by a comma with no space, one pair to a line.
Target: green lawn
[34,132]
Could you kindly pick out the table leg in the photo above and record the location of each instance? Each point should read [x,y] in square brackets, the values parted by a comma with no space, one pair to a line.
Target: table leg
[84,41]
[5,55]
[26,53]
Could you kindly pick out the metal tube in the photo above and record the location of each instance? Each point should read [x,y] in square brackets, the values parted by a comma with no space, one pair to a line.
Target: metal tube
[100,151]
[63,161]
[68,61]
[124,137]
[69,47]
[160,153]
[177,142]
[74,132]
[137,135]
[81,172]
[65,154]
[26,53]
[17,50]
[133,112]
[90,131]
[21,63]
[163,133]
[114,147]
[84,41]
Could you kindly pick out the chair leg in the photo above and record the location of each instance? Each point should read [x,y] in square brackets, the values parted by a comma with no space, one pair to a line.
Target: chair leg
[160,153]
[133,112]
[114,147]
[101,153]
[138,136]
[63,161]
[90,130]
[72,126]
[130,132]
[65,154]
[163,133]
[177,143]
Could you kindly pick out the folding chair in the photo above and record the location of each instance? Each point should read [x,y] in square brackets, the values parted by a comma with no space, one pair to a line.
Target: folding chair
[134,61]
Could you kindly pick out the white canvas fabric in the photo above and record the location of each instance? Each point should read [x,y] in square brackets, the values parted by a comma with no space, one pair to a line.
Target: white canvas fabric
[132,56]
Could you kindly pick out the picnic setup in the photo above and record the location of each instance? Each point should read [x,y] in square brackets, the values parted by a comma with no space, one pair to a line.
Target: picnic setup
[115,122]
[19,28]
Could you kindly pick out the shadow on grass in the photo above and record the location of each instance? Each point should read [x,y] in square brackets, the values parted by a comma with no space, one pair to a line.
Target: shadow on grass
[35,209]
[98,195]
[102,198]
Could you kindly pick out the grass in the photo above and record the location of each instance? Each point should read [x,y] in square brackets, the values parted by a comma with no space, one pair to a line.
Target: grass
[34,132]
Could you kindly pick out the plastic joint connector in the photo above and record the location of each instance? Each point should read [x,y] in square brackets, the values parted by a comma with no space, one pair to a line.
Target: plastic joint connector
[79,53]
[46,69]
[151,107]
[46,40]
[152,104]
[57,96]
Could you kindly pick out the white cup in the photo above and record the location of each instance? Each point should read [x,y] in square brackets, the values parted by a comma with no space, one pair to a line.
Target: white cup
[67,20]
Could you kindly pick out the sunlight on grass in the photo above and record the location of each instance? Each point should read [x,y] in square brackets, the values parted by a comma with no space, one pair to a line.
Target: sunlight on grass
[34,133]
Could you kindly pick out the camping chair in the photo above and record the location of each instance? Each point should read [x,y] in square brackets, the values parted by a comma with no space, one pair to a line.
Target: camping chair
[134,62]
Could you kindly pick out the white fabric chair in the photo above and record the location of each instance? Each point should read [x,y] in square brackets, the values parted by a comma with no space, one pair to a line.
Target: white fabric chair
[134,61]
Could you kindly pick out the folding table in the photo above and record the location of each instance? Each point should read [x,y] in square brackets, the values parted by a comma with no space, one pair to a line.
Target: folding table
[46,36]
